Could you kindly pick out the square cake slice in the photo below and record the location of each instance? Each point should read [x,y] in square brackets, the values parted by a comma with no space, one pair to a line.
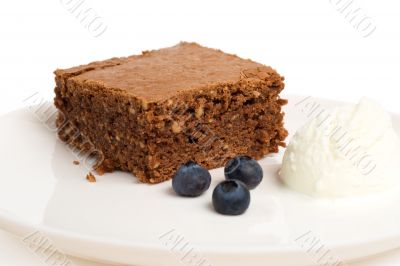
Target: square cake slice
[149,113]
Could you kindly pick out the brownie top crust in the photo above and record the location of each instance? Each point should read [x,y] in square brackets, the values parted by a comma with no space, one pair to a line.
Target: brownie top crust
[160,74]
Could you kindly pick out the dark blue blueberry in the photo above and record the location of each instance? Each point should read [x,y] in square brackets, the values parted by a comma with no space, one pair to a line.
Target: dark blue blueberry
[231,197]
[191,180]
[245,169]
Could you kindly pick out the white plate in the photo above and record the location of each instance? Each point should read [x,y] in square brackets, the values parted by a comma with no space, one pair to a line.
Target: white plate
[120,220]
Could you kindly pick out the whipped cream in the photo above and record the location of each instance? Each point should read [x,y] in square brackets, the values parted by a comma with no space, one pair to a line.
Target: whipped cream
[346,151]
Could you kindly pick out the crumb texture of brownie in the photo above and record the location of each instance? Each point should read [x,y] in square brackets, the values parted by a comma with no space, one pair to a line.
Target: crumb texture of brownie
[149,113]
[91,178]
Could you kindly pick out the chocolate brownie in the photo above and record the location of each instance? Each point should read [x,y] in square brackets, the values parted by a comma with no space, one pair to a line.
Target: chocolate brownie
[149,113]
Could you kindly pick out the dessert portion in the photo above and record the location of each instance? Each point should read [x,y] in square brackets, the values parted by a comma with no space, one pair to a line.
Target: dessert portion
[150,113]
[348,151]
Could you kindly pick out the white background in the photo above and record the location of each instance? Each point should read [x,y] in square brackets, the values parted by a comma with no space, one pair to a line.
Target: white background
[312,43]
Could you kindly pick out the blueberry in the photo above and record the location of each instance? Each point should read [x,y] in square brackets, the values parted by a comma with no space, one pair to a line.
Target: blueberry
[245,169]
[191,180]
[231,197]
